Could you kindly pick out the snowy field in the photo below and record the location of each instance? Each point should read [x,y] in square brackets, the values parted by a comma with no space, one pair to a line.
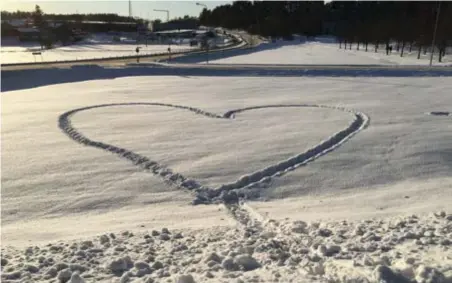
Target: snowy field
[96,46]
[324,52]
[396,164]
[402,143]
[340,169]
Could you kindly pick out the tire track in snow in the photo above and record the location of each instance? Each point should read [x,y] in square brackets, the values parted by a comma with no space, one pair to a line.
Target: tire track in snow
[246,187]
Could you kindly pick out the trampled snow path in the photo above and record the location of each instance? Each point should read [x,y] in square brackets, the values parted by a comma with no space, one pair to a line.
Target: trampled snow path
[251,222]
[228,193]
[342,251]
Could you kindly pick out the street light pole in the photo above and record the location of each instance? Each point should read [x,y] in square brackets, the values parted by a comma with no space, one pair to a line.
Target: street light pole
[130,9]
[167,13]
[201,4]
[205,41]
[434,32]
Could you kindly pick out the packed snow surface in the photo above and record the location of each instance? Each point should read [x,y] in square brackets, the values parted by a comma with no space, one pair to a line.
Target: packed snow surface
[95,47]
[358,212]
[324,52]
[402,144]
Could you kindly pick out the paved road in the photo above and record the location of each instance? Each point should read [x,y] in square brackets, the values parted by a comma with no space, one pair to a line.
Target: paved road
[113,61]
[145,61]
[106,62]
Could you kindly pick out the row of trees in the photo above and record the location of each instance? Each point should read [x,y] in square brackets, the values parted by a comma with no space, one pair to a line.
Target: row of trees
[109,18]
[67,17]
[47,34]
[185,22]
[268,18]
[37,18]
[410,24]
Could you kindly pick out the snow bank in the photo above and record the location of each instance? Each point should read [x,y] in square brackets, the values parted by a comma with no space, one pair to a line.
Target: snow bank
[322,50]
[61,202]
[95,47]
[13,79]
[403,249]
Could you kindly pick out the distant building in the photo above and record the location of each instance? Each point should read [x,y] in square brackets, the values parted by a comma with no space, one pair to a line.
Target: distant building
[97,26]
[83,26]
[19,23]
[184,33]
[28,34]
[179,25]
[24,30]
[9,30]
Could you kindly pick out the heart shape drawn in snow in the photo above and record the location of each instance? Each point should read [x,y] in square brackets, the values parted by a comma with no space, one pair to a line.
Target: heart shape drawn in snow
[231,192]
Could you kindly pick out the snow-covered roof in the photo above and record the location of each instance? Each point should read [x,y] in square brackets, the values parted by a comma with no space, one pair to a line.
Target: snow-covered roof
[32,29]
[101,22]
[17,22]
[175,31]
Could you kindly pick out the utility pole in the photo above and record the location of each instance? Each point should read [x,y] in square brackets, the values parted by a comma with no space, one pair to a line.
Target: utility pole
[434,32]
[130,8]
[201,4]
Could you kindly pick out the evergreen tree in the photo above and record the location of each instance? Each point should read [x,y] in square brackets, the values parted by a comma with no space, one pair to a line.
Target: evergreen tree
[406,25]
[38,17]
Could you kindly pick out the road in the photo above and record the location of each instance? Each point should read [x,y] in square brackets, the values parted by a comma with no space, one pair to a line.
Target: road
[103,62]
[113,61]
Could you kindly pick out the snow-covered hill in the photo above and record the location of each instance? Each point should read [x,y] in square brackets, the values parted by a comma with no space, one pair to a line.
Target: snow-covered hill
[323,51]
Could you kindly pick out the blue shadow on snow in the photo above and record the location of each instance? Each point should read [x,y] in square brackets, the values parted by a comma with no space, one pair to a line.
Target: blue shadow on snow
[25,79]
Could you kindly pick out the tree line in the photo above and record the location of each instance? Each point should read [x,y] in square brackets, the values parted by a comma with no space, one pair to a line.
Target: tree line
[38,17]
[99,17]
[47,34]
[185,21]
[67,17]
[379,23]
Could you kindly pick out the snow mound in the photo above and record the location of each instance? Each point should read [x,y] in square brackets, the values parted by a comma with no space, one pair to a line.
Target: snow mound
[401,249]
